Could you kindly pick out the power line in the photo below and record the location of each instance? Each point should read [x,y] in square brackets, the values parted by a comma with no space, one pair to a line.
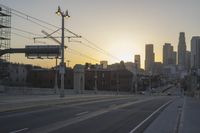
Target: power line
[89,46]
[42,21]
[31,19]
[82,55]
[28,19]
[97,47]
[21,35]
[73,33]
[24,31]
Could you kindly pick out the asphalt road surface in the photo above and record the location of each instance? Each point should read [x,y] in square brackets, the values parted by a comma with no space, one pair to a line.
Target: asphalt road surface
[110,115]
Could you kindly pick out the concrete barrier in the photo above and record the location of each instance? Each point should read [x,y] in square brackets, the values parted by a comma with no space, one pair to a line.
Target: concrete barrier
[50,91]
[28,91]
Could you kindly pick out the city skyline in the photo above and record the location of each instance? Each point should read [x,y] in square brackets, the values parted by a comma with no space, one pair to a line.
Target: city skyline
[99,66]
[122,37]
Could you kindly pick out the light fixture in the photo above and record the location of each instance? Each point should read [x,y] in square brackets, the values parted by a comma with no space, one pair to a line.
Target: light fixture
[67,14]
[58,12]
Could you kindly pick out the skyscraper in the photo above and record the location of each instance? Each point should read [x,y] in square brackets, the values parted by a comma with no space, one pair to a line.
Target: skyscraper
[149,57]
[167,54]
[195,52]
[187,60]
[181,50]
[137,61]
[174,55]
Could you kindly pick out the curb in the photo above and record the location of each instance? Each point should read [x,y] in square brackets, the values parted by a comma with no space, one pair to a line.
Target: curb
[144,124]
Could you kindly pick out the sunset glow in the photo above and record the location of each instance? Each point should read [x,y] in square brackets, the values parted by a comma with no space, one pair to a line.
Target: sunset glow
[122,29]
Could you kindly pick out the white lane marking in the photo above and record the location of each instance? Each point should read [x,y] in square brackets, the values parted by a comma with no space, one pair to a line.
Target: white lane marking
[82,113]
[20,130]
[72,105]
[182,116]
[157,110]
[61,124]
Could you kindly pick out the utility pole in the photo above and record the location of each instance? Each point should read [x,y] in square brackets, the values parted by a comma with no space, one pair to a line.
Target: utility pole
[62,64]
[56,80]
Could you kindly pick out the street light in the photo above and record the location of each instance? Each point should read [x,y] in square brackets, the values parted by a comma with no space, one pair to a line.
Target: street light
[60,13]
[62,67]
[56,82]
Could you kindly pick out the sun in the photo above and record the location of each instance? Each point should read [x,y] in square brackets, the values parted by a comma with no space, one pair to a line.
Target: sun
[122,48]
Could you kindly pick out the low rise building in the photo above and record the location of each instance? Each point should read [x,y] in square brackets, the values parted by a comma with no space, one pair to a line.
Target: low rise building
[45,78]
[116,77]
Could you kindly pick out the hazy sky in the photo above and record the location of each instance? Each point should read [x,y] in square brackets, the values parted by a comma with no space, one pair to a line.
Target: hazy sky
[121,27]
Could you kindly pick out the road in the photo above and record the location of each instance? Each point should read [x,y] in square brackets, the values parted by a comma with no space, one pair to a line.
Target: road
[109,115]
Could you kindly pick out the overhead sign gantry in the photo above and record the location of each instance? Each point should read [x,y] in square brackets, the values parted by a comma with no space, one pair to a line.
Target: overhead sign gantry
[35,51]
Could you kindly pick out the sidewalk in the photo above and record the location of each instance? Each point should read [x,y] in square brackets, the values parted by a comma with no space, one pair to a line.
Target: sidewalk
[190,122]
[167,120]
[181,116]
